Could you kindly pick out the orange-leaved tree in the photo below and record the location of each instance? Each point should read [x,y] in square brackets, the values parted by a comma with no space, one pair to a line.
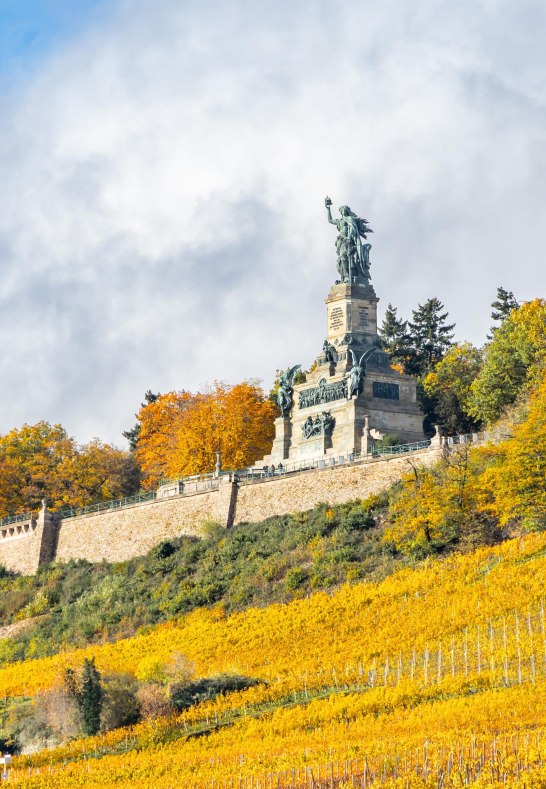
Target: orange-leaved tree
[236,421]
[30,459]
[159,422]
[43,461]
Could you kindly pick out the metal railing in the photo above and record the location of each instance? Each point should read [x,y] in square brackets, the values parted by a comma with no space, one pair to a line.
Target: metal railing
[400,449]
[71,512]
[185,480]
[468,438]
[15,519]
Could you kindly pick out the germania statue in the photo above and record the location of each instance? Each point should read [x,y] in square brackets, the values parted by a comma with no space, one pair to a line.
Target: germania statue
[353,257]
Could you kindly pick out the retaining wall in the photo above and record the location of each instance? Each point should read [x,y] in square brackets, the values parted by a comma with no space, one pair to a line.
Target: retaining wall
[120,534]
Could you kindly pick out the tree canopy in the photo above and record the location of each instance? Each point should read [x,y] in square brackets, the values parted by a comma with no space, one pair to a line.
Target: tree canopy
[514,361]
[448,386]
[43,460]
[430,336]
[181,432]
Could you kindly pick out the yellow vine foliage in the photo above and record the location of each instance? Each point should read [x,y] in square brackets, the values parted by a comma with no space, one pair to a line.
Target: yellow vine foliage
[408,610]
[443,666]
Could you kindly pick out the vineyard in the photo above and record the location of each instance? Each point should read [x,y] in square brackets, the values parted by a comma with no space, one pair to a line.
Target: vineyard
[434,677]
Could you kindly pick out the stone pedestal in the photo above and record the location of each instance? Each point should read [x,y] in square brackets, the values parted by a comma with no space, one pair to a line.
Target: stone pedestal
[383,402]
[281,445]
[351,315]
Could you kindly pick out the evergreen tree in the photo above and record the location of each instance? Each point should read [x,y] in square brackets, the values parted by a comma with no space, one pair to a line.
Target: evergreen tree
[394,336]
[133,434]
[86,690]
[90,698]
[430,336]
[502,307]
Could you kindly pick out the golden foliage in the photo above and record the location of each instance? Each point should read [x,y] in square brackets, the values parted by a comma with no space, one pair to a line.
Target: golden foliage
[180,432]
[42,460]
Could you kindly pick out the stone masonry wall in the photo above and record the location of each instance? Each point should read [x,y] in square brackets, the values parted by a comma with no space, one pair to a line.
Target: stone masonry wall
[121,534]
[335,485]
[132,531]
[27,544]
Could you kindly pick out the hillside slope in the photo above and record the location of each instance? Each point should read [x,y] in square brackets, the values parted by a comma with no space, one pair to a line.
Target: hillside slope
[443,662]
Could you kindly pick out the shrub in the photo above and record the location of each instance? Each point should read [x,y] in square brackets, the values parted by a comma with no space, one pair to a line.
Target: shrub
[186,694]
[163,550]
[153,702]
[294,578]
[120,706]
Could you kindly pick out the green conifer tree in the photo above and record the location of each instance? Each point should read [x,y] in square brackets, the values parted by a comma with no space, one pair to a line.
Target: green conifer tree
[87,692]
[90,698]
[394,336]
[502,307]
[430,336]
[133,434]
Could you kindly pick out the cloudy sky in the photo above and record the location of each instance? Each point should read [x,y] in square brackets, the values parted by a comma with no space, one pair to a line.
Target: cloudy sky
[164,165]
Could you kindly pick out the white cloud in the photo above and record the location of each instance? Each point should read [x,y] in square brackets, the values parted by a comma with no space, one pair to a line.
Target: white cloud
[162,219]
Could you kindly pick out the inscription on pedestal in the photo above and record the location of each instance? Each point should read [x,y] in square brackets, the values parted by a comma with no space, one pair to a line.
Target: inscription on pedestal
[336,318]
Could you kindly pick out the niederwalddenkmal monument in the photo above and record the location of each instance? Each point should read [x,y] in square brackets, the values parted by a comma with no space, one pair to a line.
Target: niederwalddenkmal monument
[353,396]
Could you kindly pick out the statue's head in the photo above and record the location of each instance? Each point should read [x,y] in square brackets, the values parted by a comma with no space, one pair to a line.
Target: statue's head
[344,210]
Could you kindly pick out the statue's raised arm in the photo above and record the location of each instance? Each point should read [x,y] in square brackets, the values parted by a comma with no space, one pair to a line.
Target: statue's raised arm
[328,204]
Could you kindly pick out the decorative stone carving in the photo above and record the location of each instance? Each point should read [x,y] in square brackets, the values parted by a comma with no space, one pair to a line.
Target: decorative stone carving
[323,393]
[320,425]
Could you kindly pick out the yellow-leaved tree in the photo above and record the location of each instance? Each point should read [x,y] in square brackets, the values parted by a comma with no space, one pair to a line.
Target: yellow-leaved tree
[437,507]
[517,480]
[43,461]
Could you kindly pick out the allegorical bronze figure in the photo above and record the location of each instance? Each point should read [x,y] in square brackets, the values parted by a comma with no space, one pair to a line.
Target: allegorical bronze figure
[353,257]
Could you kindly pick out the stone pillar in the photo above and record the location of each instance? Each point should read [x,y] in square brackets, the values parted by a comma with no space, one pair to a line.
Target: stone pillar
[436,440]
[218,466]
[47,529]
[225,501]
[367,440]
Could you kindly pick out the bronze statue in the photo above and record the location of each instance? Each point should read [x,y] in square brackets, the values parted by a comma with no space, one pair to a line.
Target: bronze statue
[355,377]
[286,389]
[353,257]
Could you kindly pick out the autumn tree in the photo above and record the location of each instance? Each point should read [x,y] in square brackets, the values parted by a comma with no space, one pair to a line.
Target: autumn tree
[43,461]
[159,422]
[514,361]
[237,421]
[98,472]
[31,460]
[437,507]
[516,480]
[448,386]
